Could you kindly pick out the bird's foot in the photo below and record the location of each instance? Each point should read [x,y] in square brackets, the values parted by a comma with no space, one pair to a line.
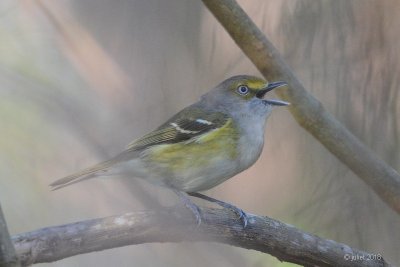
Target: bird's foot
[190,205]
[242,215]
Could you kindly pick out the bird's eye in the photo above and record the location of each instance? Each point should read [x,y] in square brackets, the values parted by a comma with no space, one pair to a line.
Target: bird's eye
[243,90]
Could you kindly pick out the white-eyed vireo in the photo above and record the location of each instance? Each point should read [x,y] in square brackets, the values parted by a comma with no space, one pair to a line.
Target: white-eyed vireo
[201,146]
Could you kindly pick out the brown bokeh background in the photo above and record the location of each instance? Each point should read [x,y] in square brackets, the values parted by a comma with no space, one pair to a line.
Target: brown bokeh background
[80,79]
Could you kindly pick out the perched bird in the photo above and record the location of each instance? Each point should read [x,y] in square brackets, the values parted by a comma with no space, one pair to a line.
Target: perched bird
[201,146]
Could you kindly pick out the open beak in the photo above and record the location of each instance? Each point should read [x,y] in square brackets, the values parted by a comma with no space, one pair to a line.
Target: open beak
[271,86]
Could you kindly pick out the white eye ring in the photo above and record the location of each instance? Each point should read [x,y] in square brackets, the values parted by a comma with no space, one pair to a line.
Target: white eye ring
[243,89]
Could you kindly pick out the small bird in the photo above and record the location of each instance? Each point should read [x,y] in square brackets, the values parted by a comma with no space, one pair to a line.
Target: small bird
[201,146]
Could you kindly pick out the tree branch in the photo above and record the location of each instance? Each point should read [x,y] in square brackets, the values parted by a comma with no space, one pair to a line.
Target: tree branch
[8,256]
[306,109]
[176,225]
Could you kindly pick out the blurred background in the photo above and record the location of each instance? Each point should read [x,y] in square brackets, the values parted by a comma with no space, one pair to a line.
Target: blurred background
[79,80]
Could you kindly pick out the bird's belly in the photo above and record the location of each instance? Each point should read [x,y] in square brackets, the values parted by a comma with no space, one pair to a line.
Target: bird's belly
[200,165]
[192,167]
[200,178]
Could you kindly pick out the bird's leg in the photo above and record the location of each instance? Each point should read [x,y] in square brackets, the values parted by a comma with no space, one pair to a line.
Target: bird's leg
[190,205]
[242,215]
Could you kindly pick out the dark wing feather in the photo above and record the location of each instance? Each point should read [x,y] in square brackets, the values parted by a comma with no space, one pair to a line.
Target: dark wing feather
[184,126]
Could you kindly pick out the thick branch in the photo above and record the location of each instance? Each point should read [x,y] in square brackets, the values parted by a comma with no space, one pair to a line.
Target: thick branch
[307,110]
[8,256]
[172,225]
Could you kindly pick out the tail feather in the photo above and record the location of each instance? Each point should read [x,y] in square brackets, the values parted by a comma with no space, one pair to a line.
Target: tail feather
[91,172]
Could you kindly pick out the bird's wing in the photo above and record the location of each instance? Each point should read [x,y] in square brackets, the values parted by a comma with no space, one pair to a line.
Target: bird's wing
[183,127]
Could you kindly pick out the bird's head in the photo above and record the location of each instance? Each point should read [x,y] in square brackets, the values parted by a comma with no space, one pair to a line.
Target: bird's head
[244,94]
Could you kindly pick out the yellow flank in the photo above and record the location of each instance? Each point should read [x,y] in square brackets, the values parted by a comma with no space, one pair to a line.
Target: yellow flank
[218,144]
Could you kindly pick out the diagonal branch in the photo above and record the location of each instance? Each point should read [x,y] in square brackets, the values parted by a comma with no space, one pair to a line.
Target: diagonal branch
[306,109]
[176,225]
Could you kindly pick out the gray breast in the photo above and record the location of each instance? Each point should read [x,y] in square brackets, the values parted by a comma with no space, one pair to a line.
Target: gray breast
[251,142]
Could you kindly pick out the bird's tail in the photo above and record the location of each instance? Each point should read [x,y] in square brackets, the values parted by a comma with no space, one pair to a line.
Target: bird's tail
[91,172]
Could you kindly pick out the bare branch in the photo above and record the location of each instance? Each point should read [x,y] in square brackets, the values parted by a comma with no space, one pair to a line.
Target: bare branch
[8,256]
[307,110]
[176,225]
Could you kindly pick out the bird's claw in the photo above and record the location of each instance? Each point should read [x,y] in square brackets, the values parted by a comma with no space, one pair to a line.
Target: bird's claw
[196,211]
[242,215]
